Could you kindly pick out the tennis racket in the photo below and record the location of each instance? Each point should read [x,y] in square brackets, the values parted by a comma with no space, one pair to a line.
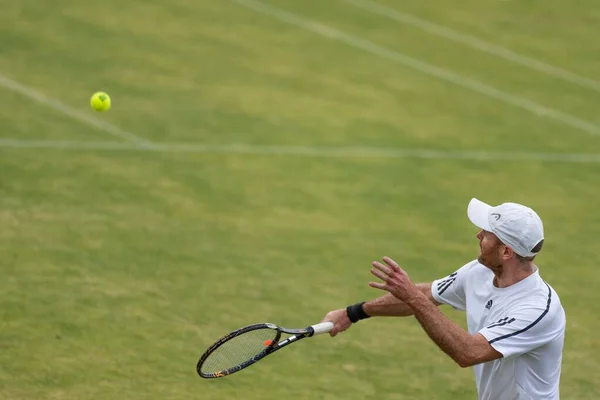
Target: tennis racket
[245,346]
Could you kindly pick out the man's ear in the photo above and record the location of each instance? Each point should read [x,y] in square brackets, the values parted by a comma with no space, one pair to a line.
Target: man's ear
[507,253]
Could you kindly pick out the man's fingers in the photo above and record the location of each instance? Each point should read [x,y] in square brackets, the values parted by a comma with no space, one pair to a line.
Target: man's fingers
[381,275]
[337,329]
[383,268]
[377,285]
[392,264]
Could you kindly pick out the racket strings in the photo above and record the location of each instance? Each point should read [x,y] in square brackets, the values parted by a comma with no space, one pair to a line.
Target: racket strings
[238,350]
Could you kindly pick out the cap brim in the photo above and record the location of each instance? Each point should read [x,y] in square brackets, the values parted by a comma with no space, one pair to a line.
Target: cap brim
[478,213]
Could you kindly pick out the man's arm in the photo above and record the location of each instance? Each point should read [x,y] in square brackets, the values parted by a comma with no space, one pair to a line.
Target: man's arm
[384,306]
[465,349]
[390,306]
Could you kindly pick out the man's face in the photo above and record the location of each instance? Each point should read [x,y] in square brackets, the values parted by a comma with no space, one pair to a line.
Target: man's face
[490,253]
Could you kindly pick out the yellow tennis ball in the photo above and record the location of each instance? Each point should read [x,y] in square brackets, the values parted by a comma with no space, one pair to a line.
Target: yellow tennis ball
[100,101]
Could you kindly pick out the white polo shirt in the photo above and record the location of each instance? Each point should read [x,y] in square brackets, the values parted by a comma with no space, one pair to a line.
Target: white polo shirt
[525,322]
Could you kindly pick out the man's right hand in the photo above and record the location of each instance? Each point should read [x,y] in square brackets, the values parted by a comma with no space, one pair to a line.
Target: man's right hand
[340,320]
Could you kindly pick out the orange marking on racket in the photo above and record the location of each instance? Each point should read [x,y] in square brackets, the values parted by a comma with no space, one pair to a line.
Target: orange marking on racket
[268,343]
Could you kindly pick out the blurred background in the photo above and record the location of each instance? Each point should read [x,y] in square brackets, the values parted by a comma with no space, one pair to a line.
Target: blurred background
[258,155]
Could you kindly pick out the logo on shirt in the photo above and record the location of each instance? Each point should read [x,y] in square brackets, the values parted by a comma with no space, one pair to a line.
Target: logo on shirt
[489,304]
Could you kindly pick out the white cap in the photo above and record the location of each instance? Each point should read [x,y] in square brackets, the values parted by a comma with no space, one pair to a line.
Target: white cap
[516,226]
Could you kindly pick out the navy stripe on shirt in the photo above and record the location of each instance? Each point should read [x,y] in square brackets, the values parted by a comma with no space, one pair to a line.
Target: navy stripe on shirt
[503,321]
[530,325]
[445,284]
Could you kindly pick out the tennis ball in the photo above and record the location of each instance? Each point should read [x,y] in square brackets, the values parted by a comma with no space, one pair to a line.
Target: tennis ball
[100,101]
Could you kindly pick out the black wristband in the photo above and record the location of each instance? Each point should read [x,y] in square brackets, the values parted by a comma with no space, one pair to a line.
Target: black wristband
[356,312]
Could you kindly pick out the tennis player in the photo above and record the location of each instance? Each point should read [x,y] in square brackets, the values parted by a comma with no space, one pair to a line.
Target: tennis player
[516,324]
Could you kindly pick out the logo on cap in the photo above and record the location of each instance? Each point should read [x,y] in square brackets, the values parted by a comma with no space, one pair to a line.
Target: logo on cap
[497,216]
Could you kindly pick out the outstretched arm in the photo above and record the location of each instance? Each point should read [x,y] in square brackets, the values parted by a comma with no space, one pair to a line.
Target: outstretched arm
[390,306]
[384,306]
[465,349]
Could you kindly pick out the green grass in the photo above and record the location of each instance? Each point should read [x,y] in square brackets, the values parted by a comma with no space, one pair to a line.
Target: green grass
[120,267]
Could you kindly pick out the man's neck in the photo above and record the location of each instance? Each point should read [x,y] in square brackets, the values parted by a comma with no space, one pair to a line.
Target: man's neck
[508,275]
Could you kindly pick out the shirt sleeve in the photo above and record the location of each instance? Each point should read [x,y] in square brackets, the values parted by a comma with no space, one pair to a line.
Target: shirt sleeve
[451,289]
[524,329]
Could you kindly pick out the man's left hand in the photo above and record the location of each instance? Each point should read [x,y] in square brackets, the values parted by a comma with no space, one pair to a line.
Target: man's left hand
[396,280]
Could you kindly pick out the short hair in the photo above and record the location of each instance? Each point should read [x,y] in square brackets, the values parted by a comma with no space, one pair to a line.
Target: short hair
[536,250]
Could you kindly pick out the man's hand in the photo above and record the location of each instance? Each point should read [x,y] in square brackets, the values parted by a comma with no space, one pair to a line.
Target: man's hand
[396,280]
[340,320]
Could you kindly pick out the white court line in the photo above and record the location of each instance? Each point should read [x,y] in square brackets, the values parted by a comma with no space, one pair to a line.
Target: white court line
[476,43]
[69,111]
[7,143]
[308,151]
[421,66]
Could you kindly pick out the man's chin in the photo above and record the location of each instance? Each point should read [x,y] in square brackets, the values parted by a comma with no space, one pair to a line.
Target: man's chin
[482,261]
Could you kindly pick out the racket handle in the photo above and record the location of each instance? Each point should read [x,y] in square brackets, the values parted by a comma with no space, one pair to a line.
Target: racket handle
[323,327]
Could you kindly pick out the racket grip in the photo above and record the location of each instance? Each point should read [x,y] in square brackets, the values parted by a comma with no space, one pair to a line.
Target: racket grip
[323,327]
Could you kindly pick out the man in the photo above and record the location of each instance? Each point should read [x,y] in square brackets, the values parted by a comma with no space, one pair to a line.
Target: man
[516,324]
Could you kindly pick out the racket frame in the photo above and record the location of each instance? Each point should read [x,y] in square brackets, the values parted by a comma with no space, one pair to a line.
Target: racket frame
[297,334]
